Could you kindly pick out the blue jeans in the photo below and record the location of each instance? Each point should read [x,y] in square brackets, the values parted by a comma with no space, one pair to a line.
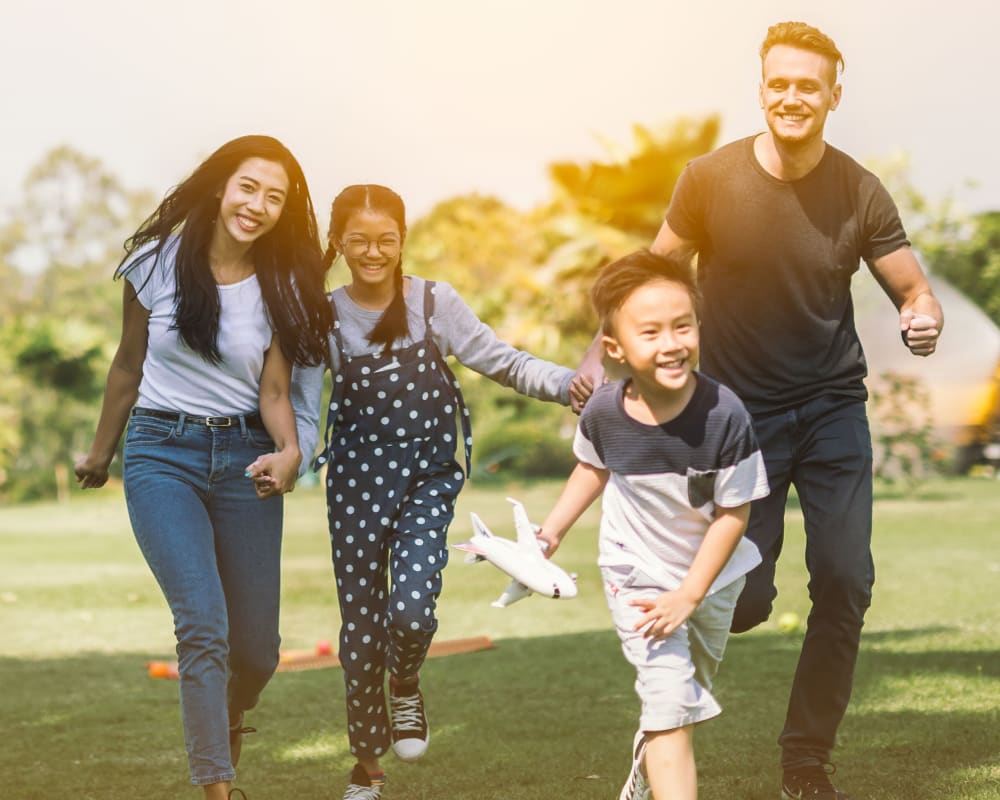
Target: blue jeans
[823,448]
[215,550]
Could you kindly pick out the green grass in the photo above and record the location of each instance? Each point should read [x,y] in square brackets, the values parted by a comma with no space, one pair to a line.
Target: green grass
[548,713]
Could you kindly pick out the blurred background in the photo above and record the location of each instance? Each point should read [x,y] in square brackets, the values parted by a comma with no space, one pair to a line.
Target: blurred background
[532,141]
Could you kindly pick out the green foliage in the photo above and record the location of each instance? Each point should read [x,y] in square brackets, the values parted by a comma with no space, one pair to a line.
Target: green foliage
[899,410]
[631,192]
[514,435]
[59,316]
[963,249]
[969,257]
[525,273]
[528,276]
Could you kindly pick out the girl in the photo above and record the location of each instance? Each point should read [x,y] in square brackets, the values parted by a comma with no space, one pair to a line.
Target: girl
[223,292]
[392,475]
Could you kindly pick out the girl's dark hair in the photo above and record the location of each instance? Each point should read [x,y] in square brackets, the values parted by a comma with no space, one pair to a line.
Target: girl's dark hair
[392,325]
[619,279]
[288,259]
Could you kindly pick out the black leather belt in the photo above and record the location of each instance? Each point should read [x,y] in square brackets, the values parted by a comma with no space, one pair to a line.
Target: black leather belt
[211,422]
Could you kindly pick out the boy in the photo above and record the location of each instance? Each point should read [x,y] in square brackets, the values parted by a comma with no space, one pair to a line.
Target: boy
[675,456]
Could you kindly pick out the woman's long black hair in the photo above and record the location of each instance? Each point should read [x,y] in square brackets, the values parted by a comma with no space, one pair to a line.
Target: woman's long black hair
[392,325]
[288,259]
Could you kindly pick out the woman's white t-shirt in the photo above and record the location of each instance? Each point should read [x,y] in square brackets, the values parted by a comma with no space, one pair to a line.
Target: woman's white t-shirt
[174,377]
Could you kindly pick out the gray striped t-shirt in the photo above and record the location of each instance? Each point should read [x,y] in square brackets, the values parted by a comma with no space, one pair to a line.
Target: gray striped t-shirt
[668,480]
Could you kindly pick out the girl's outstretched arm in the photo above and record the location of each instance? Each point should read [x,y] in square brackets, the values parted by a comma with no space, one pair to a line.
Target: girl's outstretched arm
[474,343]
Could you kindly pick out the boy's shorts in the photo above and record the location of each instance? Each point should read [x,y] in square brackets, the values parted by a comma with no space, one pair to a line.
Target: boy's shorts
[673,675]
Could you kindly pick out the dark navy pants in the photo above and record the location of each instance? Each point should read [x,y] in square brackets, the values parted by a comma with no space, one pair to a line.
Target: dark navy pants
[823,448]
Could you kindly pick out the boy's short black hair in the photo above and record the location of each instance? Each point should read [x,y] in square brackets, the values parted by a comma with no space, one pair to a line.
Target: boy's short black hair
[622,277]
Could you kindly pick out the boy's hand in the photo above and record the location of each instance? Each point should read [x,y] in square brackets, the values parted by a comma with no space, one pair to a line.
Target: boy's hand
[664,614]
[548,542]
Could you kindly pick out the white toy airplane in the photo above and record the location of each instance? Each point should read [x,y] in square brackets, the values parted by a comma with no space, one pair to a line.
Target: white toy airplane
[523,560]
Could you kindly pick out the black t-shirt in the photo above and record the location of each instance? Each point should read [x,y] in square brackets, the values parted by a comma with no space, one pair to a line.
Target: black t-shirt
[775,261]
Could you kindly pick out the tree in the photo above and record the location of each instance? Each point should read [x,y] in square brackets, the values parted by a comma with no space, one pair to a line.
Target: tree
[969,257]
[528,274]
[631,192]
[59,314]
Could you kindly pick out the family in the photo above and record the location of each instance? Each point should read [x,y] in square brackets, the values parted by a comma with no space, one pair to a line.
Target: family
[744,377]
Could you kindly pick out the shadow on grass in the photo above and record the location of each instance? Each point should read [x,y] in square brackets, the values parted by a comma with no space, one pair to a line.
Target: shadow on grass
[533,718]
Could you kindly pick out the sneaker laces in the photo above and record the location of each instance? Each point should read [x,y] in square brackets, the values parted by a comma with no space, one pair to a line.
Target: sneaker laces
[242,730]
[355,792]
[637,787]
[407,713]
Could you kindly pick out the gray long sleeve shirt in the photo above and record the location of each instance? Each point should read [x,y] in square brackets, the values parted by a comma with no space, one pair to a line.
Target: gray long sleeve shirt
[457,331]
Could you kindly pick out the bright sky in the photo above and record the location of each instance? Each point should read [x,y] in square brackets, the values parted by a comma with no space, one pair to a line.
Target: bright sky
[440,97]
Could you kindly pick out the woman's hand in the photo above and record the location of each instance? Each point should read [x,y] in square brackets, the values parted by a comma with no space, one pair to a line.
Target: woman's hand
[275,473]
[91,473]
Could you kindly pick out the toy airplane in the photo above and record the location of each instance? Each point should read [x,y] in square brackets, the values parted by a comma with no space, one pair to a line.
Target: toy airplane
[523,560]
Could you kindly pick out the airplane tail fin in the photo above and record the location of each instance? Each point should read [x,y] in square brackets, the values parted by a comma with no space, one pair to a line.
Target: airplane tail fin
[478,526]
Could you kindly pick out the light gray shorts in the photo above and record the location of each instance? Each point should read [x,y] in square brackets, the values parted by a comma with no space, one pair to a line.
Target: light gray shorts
[673,675]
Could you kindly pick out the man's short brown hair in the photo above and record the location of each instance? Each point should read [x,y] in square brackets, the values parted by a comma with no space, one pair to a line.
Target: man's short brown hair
[804,37]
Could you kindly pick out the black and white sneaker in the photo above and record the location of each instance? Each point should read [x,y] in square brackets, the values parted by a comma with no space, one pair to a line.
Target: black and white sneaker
[410,732]
[811,783]
[364,786]
[636,787]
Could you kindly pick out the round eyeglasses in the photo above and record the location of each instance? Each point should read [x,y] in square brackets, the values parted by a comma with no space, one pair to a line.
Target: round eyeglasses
[359,245]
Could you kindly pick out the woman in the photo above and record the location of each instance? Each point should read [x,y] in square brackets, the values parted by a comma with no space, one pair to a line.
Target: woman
[223,293]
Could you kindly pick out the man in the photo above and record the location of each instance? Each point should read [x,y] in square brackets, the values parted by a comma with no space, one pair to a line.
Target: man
[780,222]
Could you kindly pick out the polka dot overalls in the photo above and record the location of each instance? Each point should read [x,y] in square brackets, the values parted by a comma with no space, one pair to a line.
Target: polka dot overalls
[392,483]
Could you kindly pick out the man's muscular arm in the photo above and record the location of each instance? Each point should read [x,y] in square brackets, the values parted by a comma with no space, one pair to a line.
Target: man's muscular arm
[921,318]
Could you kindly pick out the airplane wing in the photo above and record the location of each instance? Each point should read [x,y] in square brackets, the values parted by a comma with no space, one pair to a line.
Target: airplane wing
[515,591]
[525,530]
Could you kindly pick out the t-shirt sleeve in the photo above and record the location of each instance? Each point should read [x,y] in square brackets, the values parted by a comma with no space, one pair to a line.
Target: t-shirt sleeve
[145,279]
[744,478]
[884,232]
[583,446]
[685,215]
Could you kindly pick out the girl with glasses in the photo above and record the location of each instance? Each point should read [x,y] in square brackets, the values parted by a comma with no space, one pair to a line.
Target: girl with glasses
[392,473]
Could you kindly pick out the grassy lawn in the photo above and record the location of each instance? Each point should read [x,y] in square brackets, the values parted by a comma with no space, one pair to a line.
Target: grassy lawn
[549,712]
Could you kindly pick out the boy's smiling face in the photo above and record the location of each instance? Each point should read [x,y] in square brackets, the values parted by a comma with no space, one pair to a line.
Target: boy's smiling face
[655,334]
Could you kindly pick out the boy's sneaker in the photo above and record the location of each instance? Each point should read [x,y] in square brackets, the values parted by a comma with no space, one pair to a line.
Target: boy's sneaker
[811,783]
[410,732]
[364,786]
[636,787]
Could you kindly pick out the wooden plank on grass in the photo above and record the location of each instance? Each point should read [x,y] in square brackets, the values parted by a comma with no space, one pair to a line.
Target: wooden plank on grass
[296,660]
